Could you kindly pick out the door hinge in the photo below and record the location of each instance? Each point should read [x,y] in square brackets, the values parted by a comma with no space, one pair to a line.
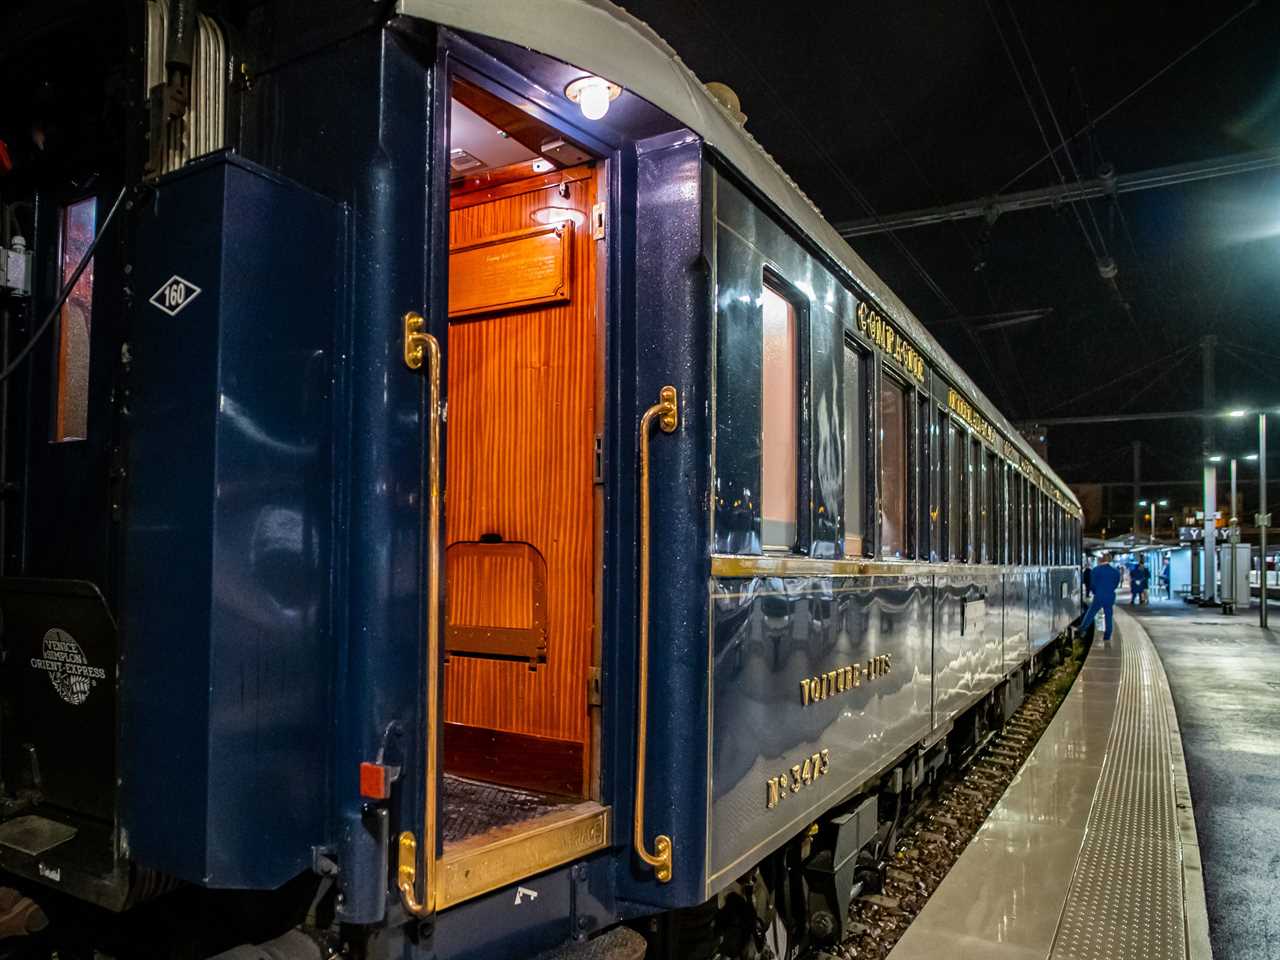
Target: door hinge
[594,698]
[599,460]
[597,221]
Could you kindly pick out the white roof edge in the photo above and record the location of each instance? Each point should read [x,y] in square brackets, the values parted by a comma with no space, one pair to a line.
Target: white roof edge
[602,38]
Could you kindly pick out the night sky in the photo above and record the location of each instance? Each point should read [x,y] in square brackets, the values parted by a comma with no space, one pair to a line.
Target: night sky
[894,107]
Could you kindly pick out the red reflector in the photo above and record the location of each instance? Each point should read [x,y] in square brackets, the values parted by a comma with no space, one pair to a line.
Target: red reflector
[374,782]
[6,163]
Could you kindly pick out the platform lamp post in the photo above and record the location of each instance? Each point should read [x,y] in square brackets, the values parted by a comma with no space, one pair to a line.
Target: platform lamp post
[1153,504]
[1263,518]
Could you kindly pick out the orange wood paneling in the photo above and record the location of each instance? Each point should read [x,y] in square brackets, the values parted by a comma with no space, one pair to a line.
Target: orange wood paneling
[520,465]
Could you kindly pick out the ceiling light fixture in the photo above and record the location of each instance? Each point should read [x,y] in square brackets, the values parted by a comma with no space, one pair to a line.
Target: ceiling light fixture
[592,95]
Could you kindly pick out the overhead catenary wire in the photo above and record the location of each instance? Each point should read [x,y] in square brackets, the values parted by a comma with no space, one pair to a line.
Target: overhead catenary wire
[1053,117]
[1156,379]
[70,285]
[1111,382]
[1044,134]
[1134,92]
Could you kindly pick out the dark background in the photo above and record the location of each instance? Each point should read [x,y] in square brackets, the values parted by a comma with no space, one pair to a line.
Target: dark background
[883,108]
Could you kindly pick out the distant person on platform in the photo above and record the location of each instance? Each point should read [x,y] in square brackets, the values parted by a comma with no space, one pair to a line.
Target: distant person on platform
[1086,578]
[1103,580]
[1139,579]
[1164,580]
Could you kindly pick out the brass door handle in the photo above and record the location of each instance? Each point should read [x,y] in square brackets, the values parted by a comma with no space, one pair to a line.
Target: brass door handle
[420,347]
[667,414]
[415,340]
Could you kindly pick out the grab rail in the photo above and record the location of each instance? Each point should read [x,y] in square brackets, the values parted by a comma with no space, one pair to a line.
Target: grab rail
[667,413]
[419,346]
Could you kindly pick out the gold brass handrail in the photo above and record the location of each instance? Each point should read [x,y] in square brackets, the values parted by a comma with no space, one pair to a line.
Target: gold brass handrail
[416,342]
[667,412]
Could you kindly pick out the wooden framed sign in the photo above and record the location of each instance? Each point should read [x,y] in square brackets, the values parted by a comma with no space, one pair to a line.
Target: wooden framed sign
[507,271]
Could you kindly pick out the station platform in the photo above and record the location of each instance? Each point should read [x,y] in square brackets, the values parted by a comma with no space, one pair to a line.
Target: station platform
[1092,851]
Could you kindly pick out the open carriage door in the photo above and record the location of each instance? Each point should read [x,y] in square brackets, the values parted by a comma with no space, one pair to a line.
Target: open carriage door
[513,332]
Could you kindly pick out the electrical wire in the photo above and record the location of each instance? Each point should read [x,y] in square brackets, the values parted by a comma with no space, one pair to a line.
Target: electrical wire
[70,285]
[1177,354]
[1136,90]
[1044,134]
[1053,116]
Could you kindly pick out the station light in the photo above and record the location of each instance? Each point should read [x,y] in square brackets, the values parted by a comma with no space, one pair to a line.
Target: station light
[1142,503]
[1251,456]
[1215,458]
[1164,503]
[1236,413]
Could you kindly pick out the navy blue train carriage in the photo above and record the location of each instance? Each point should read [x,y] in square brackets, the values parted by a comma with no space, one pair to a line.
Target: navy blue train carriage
[471,504]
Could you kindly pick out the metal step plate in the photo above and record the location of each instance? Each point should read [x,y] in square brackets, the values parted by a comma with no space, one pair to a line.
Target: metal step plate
[34,835]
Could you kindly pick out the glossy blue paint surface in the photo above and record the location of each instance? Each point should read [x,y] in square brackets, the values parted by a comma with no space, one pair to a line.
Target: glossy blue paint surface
[362,124]
[772,633]
[227,664]
[671,346]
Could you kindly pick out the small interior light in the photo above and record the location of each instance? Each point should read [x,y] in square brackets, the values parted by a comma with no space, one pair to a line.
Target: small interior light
[592,95]
[558,215]
[541,166]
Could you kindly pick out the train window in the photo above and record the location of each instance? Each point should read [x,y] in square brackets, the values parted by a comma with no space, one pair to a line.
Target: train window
[993,509]
[779,422]
[924,479]
[1018,519]
[978,490]
[954,483]
[855,451]
[894,419]
[965,504]
[1037,519]
[71,401]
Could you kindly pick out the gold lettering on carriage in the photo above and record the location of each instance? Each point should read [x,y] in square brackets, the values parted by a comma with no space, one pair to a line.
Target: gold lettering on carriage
[889,339]
[966,412]
[843,679]
[801,775]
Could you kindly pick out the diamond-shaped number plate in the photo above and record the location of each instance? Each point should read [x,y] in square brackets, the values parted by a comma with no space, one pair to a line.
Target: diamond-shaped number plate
[175,295]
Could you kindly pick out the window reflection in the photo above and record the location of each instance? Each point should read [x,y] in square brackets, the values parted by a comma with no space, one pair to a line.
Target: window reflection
[893,469]
[71,404]
[779,423]
[855,452]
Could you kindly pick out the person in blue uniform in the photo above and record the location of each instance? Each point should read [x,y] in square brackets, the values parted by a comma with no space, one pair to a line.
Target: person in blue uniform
[1139,579]
[1103,580]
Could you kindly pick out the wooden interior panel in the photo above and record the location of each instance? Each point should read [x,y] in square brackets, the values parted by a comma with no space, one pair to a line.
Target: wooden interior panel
[521,442]
[514,759]
[523,268]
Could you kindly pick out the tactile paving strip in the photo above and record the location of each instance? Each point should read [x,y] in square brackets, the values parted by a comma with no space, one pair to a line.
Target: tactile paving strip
[1125,900]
